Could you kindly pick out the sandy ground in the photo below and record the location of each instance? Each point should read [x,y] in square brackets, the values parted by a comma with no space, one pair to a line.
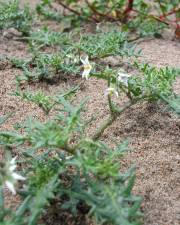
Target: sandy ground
[152,130]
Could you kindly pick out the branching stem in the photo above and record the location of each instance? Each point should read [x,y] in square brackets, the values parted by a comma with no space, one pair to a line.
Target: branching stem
[111,107]
[111,119]
[74,11]
[94,10]
[129,7]
[1,204]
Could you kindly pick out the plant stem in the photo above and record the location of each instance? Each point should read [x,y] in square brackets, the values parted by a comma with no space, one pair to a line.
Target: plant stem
[151,16]
[112,111]
[128,9]
[68,8]
[111,107]
[94,10]
[111,119]
[74,11]
[102,128]
[1,204]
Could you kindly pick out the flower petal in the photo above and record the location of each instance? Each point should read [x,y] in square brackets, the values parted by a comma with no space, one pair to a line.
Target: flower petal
[83,61]
[86,73]
[18,177]
[111,91]
[116,93]
[123,78]
[87,67]
[10,186]
[86,60]
[12,168]
[13,160]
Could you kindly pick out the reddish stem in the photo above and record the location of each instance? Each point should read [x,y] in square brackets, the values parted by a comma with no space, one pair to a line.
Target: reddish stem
[169,13]
[74,11]
[161,19]
[93,9]
[127,11]
[129,7]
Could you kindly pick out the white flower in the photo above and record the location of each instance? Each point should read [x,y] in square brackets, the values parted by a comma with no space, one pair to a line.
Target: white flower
[10,186]
[110,91]
[87,67]
[11,176]
[123,78]
[69,157]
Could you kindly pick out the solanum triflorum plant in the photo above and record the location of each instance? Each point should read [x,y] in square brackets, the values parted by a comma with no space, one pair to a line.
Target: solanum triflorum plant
[71,48]
[60,158]
[63,162]
[145,17]
[146,84]
[58,161]
[73,166]
[12,15]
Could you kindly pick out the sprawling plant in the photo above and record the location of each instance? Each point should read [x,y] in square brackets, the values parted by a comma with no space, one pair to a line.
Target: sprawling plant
[69,49]
[174,104]
[149,84]
[11,15]
[134,14]
[59,161]
[79,170]
[58,155]
[45,9]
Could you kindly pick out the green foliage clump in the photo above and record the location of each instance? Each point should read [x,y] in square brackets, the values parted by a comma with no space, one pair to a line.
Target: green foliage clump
[66,59]
[44,9]
[46,66]
[173,103]
[104,44]
[45,37]
[145,27]
[144,18]
[86,172]
[154,83]
[43,101]
[12,16]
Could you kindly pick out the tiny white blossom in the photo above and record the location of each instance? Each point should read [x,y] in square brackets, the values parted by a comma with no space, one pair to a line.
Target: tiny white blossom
[87,67]
[69,157]
[123,78]
[17,176]
[11,176]
[111,91]
[10,186]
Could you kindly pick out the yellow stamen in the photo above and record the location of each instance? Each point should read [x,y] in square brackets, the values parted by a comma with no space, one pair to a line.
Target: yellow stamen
[87,67]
